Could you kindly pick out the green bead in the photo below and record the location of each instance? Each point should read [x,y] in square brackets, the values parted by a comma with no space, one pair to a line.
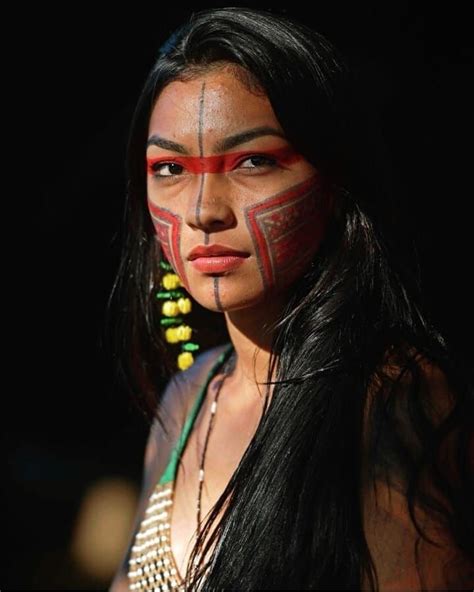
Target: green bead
[171,320]
[165,265]
[169,294]
[190,347]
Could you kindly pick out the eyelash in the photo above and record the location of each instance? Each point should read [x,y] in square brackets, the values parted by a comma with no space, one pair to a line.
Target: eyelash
[269,162]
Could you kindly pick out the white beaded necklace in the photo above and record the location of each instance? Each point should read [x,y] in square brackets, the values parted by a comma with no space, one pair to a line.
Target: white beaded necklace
[227,369]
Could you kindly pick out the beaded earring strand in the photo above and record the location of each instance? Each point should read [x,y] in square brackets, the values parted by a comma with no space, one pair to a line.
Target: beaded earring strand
[176,303]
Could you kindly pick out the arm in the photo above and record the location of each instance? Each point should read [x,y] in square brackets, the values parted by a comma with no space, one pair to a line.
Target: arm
[391,536]
[394,542]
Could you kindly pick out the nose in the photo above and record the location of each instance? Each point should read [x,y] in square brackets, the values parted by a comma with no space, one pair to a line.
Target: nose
[210,208]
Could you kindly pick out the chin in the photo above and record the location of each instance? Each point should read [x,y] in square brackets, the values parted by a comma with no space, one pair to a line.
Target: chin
[229,300]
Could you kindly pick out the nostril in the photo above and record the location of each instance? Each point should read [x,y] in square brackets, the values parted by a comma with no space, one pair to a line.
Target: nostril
[212,214]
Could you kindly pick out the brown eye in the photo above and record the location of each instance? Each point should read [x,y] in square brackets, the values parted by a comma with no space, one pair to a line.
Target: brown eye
[258,161]
[171,167]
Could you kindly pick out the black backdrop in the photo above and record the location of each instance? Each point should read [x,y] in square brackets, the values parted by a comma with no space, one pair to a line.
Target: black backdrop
[79,79]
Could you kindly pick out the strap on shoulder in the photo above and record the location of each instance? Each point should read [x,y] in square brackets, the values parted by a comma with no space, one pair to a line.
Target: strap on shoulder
[169,472]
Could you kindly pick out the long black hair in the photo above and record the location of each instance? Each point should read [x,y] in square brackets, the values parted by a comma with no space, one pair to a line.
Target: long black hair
[338,420]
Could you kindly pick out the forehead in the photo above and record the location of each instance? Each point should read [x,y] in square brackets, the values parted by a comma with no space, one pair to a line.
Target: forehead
[210,105]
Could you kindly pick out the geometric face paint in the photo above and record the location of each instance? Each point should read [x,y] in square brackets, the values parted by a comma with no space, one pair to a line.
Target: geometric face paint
[168,229]
[168,224]
[287,228]
[220,163]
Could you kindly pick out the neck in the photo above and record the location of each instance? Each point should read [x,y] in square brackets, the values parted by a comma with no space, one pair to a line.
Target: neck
[251,333]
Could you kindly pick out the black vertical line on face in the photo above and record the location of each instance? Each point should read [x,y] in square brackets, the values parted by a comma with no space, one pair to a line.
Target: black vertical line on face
[199,199]
[217,297]
[201,154]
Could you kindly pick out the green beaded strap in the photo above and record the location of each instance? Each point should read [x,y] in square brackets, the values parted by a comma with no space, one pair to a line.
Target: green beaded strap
[165,265]
[170,470]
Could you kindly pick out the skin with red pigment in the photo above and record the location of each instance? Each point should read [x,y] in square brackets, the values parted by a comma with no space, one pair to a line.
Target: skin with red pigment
[261,196]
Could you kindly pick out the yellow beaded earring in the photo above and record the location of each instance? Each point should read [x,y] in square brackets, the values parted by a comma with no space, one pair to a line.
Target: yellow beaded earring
[176,303]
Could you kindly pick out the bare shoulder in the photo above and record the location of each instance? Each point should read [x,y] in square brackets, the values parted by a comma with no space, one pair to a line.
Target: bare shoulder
[401,372]
[409,396]
[422,398]
[176,401]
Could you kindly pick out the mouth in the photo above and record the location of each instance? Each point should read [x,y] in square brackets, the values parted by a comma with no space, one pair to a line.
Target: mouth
[218,264]
[216,258]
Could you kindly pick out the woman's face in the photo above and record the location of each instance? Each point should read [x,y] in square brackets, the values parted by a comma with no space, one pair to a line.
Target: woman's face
[238,212]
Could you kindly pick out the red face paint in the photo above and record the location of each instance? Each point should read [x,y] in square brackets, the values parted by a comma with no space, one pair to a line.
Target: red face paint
[168,231]
[287,229]
[221,163]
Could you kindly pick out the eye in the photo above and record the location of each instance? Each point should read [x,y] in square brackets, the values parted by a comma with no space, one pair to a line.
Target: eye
[261,162]
[173,168]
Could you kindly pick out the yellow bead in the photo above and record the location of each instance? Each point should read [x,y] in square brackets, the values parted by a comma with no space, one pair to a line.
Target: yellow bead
[184,305]
[184,332]
[185,359]
[171,335]
[170,308]
[171,281]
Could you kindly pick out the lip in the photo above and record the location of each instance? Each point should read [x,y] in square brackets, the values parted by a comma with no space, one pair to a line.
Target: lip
[216,258]
[215,250]
[217,264]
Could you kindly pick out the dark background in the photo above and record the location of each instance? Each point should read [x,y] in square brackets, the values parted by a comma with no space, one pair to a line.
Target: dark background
[71,424]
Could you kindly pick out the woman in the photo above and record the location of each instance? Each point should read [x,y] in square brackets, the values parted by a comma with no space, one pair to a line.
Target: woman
[324,444]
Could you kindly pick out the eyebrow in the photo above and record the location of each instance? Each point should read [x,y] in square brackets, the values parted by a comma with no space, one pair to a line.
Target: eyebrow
[222,145]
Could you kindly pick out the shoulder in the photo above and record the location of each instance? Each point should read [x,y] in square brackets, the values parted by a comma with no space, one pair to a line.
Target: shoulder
[414,397]
[177,398]
[408,377]
[410,396]
[183,386]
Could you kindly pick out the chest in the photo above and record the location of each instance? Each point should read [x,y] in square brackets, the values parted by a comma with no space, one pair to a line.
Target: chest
[231,433]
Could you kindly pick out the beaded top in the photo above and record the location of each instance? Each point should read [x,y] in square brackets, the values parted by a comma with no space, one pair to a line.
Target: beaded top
[152,566]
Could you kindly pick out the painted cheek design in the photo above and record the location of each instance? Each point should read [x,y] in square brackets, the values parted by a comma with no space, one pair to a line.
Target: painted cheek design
[287,228]
[221,163]
[168,231]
